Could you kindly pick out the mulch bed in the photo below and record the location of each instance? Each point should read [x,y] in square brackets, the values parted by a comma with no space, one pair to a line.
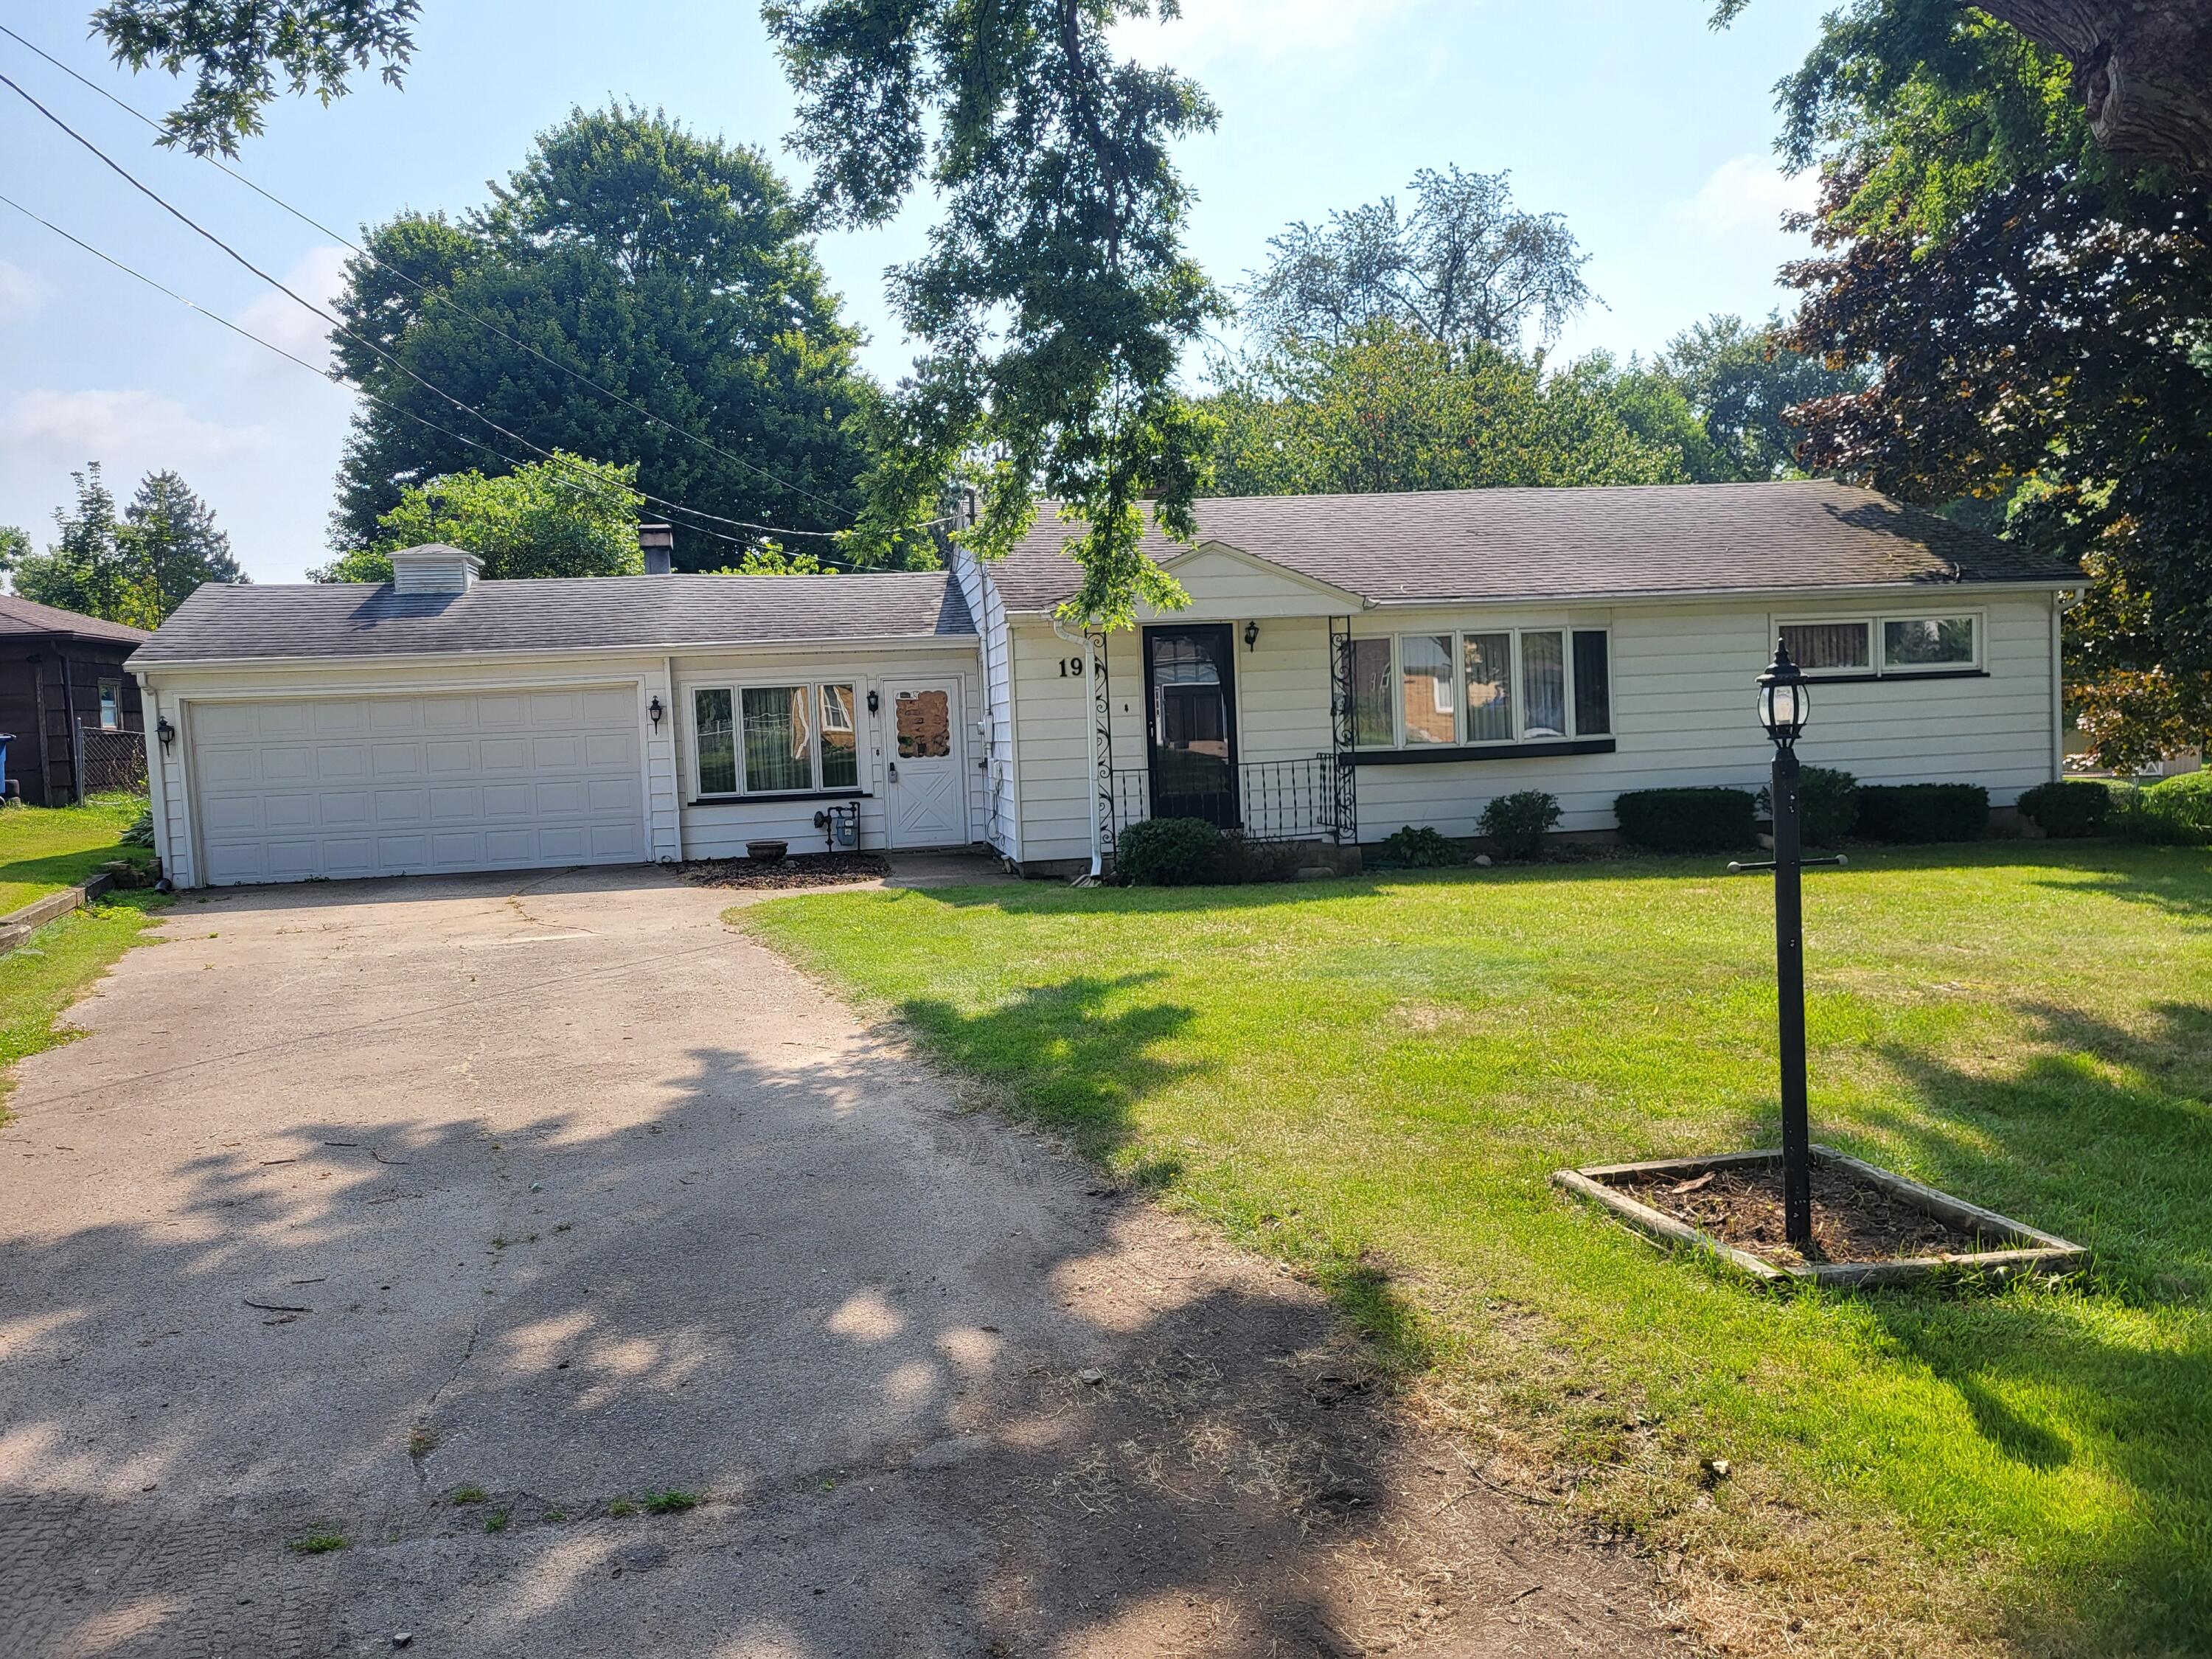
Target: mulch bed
[800,870]
[1852,1221]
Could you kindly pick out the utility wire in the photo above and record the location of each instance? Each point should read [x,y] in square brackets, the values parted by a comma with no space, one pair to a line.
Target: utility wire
[185,219]
[476,318]
[319,374]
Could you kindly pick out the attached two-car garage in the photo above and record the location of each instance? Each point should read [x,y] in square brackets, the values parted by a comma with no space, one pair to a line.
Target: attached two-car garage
[382,786]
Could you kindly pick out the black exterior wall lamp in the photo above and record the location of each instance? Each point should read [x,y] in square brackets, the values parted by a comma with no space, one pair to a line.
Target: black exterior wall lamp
[654,711]
[165,731]
[1251,634]
[1785,705]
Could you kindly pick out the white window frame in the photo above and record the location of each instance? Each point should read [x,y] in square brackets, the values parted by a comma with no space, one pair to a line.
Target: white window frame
[1566,630]
[736,689]
[1876,623]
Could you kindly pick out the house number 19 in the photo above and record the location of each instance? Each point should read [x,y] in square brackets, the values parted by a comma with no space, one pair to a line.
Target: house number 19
[1071,668]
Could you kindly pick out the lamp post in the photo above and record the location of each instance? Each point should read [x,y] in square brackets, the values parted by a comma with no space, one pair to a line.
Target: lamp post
[1784,706]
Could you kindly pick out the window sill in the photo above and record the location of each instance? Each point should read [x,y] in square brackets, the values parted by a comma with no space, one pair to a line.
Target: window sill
[790,795]
[1814,678]
[1489,752]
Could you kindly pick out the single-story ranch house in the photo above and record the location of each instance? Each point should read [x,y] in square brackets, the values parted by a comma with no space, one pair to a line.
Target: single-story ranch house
[1347,666]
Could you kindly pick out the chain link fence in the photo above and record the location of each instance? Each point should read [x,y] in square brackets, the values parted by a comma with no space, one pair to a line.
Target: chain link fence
[107,762]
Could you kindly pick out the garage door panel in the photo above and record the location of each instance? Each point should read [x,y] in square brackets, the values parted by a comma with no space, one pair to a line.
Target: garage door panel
[376,786]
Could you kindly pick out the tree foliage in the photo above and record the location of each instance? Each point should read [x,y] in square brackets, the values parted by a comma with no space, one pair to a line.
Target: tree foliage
[1393,409]
[237,49]
[566,517]
[1742,382]
[1056,298]
[672,271]
[2037,315]
[134,567]
[1461,265]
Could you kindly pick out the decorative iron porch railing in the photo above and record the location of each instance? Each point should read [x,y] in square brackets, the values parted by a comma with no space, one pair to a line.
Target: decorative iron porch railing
[1265,801]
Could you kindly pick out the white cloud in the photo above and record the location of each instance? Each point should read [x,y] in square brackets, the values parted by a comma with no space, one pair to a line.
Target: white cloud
[128,430]
[21,292]
[318,274]
[1749,192]
[1212,31]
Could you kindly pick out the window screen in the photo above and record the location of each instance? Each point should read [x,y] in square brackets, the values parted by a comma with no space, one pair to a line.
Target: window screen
[841,753]
[1431,707]
[1593,685]
[1489,688]
[779,737]
[1372,726]
[1828,648]
[718,747]
[1544,686]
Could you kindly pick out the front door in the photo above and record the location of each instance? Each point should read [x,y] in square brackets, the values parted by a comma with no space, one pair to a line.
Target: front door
[927,772]
[1190,720]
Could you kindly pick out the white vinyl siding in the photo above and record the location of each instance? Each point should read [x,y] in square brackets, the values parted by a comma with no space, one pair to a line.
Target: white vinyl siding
[1000,773]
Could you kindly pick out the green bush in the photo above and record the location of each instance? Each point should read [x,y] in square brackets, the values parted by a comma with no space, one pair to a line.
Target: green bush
[1517,823]
[1923,811]
[1167,853]
[1424,849]
[141,832]
[1686,820]
[2064,811]
[1827,806]
[2178,811]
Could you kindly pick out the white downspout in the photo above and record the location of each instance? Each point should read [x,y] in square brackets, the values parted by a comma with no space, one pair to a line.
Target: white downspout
[1090,747]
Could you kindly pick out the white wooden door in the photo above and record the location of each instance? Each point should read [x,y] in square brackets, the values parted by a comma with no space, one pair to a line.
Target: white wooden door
[336,787]
[927,772]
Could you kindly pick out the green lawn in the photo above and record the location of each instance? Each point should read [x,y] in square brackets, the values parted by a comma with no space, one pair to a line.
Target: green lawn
[1374,1079]
[57,964]
[44,849]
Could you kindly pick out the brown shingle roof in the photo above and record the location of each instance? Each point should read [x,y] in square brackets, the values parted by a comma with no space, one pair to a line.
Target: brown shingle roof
[1478,544]
[353,619]
[20,616]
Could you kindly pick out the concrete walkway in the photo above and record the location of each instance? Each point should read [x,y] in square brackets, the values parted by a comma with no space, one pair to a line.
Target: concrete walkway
[358,1196]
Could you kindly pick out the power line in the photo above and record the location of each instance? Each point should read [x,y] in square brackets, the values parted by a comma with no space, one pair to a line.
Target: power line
[476,318]
[319,374]
[438,392]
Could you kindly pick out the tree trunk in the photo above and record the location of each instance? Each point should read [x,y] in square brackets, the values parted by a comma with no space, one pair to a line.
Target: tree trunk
[2144,68]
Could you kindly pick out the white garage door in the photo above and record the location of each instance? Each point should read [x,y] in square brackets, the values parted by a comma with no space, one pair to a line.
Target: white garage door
[406,786]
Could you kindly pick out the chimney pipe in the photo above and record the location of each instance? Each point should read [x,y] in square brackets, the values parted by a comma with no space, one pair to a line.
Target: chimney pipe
[658,543]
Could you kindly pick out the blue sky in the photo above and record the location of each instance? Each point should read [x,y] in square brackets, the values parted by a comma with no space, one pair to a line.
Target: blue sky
[1650,133]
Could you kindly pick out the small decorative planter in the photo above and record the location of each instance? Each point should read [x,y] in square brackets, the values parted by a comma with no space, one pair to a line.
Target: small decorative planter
[1870,1227]
[767,852]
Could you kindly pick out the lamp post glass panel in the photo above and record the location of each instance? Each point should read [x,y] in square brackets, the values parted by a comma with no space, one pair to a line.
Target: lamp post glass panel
[1784,705]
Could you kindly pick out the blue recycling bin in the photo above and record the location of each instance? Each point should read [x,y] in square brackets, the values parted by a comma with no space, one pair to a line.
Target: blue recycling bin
[6,738]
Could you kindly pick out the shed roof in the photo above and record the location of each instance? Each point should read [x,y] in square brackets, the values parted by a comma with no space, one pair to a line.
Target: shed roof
[355,619]
[20,616]
[1441,546]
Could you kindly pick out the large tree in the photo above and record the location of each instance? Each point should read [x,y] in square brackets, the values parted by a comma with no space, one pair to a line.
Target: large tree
[1461,263]
[1055,300]
[2038,314]
[635,294]
[1741,382]
[1391,410]
[134,567]
[563,517]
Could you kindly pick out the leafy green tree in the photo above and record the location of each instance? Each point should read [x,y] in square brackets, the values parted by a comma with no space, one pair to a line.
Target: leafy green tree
[1741,382]
[669,268]
[1393,409]
[14,546]
[90,568]
[1056,299]
[170,533]
[565,517]
[2038,314]
[1463,265]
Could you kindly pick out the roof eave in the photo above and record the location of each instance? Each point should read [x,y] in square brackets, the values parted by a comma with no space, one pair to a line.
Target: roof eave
[554,653]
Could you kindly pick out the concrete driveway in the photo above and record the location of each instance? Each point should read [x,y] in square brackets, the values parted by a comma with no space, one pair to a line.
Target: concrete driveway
[359,1196]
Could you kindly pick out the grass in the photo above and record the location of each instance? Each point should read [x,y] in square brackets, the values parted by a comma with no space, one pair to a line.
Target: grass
[57,964]
[317,1543]
[44,849]
[469,1494]
[621,1508]
[673,1501]
[1373,1080]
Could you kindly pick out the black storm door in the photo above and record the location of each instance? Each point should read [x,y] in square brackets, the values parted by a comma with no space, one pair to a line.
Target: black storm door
[1190,722]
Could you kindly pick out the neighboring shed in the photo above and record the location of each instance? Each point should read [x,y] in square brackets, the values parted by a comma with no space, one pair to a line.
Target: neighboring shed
[60,670]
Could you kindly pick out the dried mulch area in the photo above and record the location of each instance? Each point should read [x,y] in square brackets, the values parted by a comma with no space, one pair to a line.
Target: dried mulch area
[801,870]
[1852,1221]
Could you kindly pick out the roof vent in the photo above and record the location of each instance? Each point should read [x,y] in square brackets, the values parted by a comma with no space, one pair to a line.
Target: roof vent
[435,568]
[658,543]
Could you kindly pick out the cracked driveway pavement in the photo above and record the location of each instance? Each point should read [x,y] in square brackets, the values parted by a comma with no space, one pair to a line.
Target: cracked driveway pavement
[358,1197]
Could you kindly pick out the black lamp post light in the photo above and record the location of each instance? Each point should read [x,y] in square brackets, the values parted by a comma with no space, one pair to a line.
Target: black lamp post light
[1982,1243]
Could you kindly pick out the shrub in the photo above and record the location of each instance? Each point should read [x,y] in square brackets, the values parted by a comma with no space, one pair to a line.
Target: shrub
[2178,811]
[2063,811]
[1240,860]
[1686,820]
[1167,853]
[1827,806]
[1424,849]
[1923,811]
[1517,823]
[141,832]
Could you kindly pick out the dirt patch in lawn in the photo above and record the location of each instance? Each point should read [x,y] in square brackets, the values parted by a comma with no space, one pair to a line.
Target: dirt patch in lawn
[1853,1220]
[802,869]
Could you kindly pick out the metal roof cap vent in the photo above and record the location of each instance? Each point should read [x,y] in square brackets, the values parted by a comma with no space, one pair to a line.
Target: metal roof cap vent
[435,568]
[658,543]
